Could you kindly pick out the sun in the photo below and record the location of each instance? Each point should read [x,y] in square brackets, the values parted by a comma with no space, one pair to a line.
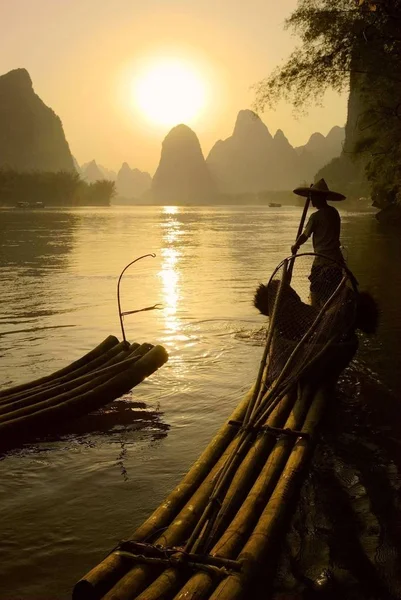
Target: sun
[169,92]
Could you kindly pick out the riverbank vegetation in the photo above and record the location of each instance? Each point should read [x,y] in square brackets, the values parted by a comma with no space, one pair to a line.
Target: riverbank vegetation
[352,45]
[53,189]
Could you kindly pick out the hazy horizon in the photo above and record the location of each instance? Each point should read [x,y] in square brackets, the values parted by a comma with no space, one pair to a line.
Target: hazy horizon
[86,60]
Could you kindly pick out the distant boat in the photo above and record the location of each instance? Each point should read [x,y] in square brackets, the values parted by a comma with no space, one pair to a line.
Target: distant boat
[274,204]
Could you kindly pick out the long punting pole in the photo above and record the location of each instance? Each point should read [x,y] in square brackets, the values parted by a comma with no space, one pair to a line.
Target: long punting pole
[300,229]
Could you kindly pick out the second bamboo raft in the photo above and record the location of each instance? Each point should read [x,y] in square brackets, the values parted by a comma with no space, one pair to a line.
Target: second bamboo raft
[96,379]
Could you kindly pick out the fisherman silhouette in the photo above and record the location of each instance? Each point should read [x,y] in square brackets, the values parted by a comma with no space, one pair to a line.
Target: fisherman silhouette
[324,226]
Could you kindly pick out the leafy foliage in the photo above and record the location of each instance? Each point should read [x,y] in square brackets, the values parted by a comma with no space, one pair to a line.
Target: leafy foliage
[355,45]
[53,189]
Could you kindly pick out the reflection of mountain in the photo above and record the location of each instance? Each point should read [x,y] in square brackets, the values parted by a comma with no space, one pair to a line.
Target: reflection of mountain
[31,134]
[182,176]
[34,248]
[35,239]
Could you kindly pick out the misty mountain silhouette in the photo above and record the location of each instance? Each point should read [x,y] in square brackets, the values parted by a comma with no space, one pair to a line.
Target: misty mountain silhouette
[182,175]
[132,183]
[240,163]
[91,172]
[104,171]
[251,160]
[31,134]
[320,150]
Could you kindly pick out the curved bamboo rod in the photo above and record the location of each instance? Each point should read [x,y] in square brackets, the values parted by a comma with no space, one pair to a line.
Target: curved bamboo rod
[131,312]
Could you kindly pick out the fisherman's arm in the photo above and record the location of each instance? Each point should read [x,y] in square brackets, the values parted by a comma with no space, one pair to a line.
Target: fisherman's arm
[301,240]
[304,236]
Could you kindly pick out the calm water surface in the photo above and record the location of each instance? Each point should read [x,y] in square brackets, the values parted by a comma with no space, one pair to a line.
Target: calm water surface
[65,502]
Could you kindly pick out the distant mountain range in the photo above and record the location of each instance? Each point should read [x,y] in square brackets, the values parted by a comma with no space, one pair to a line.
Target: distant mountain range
[131,184]
[92,172]
[250,161]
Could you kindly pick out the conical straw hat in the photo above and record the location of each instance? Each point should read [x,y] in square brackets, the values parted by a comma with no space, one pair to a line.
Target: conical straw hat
[320,188]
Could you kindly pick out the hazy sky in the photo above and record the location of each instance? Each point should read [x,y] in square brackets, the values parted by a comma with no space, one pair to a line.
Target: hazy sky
[84,57]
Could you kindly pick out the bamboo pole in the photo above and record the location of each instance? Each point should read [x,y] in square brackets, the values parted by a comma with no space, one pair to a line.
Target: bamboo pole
[82,370]
[241,484]
[114,579]
[109,571]
[251,466]
[119,357]
[244,471]
[263,539]
[202,584]
[257,391]
[108,343]
[70,388]
[76,388]
[90,400]
[299,345]
[138,577]
[300,229]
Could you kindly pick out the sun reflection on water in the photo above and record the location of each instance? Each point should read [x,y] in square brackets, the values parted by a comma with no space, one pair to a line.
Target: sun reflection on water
[171,277]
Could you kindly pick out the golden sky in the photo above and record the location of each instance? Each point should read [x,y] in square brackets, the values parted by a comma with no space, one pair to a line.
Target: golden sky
[85,57]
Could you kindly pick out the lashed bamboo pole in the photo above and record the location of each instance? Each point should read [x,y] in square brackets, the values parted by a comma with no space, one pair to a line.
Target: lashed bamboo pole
[263,539]
[90,400]
[202,584]
[88,367]
[254,460]
[108,343]
[257,391]
[70,388]
[236,480]
[241,484]
[138,577]
[109,571]
[261,409]
[127,351]
[300,344]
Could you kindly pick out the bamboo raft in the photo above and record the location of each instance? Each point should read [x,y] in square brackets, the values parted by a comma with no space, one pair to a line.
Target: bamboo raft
[153,565]
[102,375]
[219,530]
[105,373]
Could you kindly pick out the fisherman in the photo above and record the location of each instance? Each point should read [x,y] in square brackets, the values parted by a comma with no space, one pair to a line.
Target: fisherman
[324,226]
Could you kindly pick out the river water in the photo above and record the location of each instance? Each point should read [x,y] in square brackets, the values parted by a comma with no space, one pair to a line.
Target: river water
[66,500]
